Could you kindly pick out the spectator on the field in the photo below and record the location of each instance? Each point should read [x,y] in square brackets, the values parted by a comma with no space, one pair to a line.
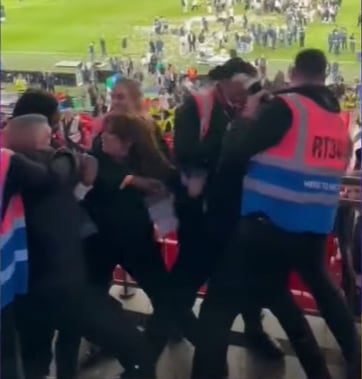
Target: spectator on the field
[102,45]
[159,46]
[50,83]
[124,43]
[352,43]
[91,52]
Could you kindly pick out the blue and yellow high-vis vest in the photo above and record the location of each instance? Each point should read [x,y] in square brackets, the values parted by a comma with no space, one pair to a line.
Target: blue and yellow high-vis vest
[13,241]
[296,184]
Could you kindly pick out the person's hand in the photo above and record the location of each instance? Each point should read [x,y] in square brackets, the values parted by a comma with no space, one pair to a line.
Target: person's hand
[194,184]
[152,187]
[88,168]
[252,104]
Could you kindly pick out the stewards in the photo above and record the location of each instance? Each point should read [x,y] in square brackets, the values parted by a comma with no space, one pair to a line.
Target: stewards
[294,151]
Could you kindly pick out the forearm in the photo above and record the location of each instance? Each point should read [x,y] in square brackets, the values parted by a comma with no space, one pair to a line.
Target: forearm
[26,175]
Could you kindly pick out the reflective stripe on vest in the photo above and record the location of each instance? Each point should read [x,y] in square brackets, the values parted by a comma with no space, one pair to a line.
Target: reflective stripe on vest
[205,103]
[13,242]
[287,194]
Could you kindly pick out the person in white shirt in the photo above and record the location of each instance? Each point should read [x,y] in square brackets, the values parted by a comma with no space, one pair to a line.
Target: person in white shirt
[230,13]
[182,45]
[195,5]
[278,6]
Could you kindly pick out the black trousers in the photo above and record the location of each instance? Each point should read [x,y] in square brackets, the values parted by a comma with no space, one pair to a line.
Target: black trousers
[348,231]
[138,254]
[356,242]
[141,257]
[255,270]
[9,364]
[201,244]
[85,312]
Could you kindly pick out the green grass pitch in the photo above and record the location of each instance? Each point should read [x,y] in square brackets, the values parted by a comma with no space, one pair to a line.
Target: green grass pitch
[39,33]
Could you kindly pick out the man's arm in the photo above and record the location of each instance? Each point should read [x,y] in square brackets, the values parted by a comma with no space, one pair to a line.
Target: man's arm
[248,137]
[187,148]
[25,175]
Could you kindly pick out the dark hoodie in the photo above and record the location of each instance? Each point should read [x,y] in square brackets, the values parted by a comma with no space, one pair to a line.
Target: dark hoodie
[247,138]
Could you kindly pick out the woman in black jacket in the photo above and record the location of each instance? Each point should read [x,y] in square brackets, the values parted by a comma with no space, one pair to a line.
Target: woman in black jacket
[130,169]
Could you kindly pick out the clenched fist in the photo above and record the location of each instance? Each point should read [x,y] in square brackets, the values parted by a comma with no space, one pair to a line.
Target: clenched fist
[88,168]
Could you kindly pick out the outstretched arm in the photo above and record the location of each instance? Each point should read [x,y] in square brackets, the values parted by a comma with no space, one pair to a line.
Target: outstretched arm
[25,175]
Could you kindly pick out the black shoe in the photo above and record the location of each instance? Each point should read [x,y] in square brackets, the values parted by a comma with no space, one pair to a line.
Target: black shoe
[190,325]
[354,370]
[138,372]
[175,336]
[93,356]
[262,345]
[226,371]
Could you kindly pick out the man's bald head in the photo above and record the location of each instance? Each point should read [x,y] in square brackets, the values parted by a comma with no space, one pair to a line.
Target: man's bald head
[30,131]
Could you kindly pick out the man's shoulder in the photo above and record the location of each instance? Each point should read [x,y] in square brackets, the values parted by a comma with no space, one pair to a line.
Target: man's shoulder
[39,156]
[274,104]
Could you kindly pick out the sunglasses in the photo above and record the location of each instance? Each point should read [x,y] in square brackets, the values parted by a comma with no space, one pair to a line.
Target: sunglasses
[254,88]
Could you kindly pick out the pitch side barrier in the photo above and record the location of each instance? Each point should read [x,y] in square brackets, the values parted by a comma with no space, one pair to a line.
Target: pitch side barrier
[66,79]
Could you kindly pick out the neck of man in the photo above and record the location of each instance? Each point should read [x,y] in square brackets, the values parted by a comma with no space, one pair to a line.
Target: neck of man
[307,82]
